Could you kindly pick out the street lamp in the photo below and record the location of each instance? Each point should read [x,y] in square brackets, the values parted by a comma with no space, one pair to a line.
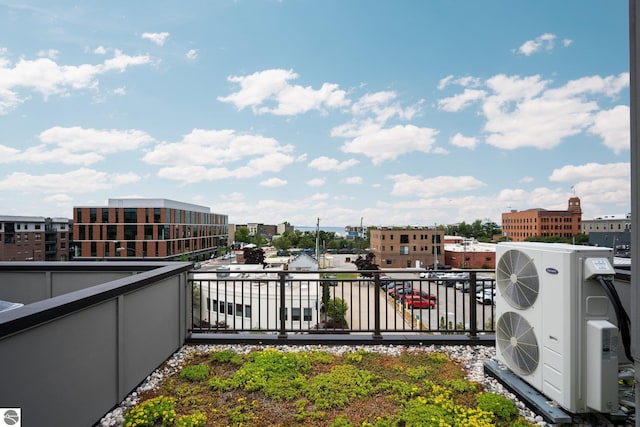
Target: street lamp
[123,248]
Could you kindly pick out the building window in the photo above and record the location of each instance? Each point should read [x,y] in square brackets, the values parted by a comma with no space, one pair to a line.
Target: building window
[247,311]
[37,236]
[404,238]
[404,250]
[93,214]
[229,308]
[307,314]
[130,215]
[239,310]
[295,313]
[214,305]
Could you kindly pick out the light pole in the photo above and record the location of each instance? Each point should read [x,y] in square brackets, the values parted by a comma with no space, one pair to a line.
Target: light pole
[123,248]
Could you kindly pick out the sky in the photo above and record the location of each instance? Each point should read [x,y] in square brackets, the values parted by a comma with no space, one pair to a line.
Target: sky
[385,113]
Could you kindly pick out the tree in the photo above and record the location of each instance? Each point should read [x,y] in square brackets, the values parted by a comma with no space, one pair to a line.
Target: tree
[337,310]
[366,263]
[254,256]
[242,235]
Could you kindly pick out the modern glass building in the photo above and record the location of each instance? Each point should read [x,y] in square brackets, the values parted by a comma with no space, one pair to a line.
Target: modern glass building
[148,228]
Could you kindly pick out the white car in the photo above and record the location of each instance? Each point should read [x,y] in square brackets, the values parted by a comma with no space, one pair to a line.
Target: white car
[486,296]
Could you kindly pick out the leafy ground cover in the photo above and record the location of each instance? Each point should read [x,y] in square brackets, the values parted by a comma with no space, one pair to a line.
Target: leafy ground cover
[269,387]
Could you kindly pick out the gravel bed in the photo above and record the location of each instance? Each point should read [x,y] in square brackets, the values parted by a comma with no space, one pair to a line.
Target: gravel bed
[471,357]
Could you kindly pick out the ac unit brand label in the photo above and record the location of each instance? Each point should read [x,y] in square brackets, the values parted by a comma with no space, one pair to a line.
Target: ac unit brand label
[551,270]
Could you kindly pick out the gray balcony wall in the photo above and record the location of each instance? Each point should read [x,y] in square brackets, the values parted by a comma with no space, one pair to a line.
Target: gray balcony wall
[68,359]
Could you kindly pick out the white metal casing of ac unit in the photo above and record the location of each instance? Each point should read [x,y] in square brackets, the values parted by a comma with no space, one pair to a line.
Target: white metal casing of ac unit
[566,300]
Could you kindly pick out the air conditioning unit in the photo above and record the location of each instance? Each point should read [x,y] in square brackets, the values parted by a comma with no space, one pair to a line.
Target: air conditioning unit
[554,325]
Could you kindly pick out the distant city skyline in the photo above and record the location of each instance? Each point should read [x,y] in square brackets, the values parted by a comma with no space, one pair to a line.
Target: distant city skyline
[412,114]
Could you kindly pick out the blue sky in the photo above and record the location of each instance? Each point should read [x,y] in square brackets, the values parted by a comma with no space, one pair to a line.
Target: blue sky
[391,112]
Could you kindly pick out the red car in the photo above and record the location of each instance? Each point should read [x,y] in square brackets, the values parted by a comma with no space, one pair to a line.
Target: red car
[414,301]
[402,293]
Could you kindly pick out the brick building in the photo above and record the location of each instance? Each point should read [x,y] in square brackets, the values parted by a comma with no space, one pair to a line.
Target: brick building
[34,238]
[518,225]
[407,247]
[148,228]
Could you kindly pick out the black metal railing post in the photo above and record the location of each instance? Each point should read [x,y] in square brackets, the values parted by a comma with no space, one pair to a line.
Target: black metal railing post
[282,310]
[473,327]
[377,332]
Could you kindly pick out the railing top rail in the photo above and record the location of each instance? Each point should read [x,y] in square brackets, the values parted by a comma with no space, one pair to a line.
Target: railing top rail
[27,316]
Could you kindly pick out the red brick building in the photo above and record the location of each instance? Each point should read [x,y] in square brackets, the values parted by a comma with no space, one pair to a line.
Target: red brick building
[34,238]
[518,225]
[148,228]
[407,247]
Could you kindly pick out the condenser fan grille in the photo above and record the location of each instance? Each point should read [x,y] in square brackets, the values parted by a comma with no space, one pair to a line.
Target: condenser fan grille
[517,342]
[517,279]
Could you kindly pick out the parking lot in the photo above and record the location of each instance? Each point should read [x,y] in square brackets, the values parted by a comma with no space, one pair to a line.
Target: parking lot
[452,305]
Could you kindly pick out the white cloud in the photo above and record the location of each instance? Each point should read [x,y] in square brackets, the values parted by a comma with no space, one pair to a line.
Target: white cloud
[120,91]
[353,180]
[526,179]
[415,186]
[273,86]
[273,182]
[157,38]
[461,101]
[192,54]
[519,110]
[381,144]
[100,50]
[46,77]
[216,154]
[466,81]
[613,127]
[74,182]
[316,182]
[324,163]
[590,171]
[460,140]
[567,42]
[543,42]
[49,53]
[76,145]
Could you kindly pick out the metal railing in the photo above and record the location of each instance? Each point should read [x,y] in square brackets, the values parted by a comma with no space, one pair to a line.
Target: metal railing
[287,302]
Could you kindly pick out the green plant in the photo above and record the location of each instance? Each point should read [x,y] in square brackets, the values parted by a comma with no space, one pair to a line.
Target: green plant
[197,419]
[195,372]
[498,405]
[225,356]
[148,413]
[337,309]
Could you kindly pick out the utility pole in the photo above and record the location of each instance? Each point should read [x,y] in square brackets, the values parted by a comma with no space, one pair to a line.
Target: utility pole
[318,242]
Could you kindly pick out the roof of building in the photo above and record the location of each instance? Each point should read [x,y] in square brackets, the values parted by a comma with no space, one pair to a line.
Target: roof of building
[156,203]
[473,246]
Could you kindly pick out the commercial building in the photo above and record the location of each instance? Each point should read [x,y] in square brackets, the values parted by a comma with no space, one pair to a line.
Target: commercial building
[607,223]
[418,247]
[252,299]
[34,238]
[148,228]
[518,225]
[612,231]
[469,253]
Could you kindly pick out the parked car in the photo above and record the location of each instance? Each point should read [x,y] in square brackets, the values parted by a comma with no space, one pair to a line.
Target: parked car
[405,293]
[415,301]
[450,279]
[486,296]
[388,285]
[466,287]
[398,290]
[428,275]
